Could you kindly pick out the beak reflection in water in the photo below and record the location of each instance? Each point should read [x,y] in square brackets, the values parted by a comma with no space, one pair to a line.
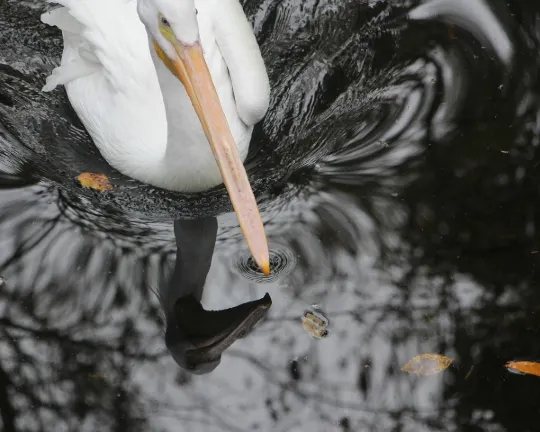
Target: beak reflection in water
[191,69]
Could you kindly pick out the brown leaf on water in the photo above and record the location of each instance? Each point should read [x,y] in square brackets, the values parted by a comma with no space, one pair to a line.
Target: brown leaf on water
[97,377]
[315,324]
[523,367]
[427,364]
[451,31]
[99,182]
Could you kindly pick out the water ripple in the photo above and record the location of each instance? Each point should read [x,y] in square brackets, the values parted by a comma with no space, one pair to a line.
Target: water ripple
[282,262]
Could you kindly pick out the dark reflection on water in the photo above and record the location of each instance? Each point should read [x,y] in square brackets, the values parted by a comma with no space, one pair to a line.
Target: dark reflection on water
[196,338]
[397,171]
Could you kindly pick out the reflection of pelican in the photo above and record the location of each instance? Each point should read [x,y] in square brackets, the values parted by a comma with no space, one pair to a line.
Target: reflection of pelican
[196,338]
[142,119]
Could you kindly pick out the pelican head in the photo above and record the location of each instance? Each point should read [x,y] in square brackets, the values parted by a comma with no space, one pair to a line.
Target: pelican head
[170,22]
[197,338]
[173,28]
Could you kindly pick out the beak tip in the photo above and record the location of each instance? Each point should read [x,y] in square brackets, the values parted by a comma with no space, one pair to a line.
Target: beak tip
[265,267]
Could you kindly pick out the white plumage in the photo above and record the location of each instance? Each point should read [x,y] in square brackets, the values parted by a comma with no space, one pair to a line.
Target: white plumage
[137,112]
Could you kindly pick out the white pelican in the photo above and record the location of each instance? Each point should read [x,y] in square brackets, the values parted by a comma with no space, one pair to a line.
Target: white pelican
[154,81]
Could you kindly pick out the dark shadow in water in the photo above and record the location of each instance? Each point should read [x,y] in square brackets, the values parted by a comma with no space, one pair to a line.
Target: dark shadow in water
[25,177]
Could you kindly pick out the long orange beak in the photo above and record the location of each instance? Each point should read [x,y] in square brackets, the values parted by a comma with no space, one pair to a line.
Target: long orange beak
[190,68]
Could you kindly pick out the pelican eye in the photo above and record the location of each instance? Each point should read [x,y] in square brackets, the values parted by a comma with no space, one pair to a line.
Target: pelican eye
[164,22]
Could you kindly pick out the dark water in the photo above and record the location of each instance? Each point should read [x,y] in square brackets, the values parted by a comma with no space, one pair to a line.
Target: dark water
[398,175]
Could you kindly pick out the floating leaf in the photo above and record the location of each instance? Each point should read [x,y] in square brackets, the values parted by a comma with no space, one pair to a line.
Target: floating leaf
[523,367]
[315,324]
[427,364]
[99,182]
[451,31]
[97,377]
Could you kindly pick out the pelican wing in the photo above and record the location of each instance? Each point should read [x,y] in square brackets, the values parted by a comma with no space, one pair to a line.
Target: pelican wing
[111,80]
[237,43]
[101,36]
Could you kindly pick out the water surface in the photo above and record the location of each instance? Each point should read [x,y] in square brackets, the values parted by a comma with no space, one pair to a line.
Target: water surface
[398,176]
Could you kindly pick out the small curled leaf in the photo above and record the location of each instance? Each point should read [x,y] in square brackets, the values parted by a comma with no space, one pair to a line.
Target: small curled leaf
[315,324]
[427,364]
[99,182]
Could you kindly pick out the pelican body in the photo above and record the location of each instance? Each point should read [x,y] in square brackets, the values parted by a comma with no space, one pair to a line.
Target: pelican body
[155,81]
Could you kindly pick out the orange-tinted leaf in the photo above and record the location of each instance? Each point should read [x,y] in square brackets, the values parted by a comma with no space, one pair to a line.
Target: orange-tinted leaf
[99,182]
[427,364]
[524,367]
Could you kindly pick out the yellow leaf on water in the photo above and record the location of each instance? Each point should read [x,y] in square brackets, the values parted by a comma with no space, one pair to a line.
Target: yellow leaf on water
[427,364]
[99,182]
[524,367]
